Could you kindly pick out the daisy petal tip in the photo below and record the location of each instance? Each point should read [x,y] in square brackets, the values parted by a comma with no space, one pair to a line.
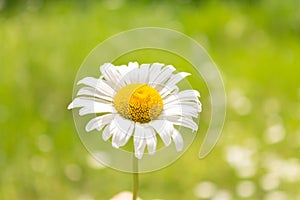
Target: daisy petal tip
[186,74]
[133,64]
[80,81]
[105,65]
[70,106]
[99,128]
[82,112]
[84,81]
[151,152]
[88,128]
[105,138]
[168,142]
[197,93]
[138,155]
[179,148]
[115,146]
[171,67]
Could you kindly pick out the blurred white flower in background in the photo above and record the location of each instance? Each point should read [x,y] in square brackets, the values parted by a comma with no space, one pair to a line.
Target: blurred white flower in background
[241,159]
[239,103]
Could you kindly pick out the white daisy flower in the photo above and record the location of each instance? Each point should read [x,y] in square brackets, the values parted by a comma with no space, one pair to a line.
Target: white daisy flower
[138,101]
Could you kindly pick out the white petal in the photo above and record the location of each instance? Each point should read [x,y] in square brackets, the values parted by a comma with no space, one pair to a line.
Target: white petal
[164,130]
[70,106]
[83,101]
[98,84]
[129,73]
[108,71]
[99,122]
[94,93]
[185,109]
[188,94]
[133,65]
[114,131]
[121,129]
[185,95]
[124,131]
[89,105]
[150,140]
[185,104]
[165,91]
[139,141]
[112,75]
[164,75]
[106,134]
[180,111]
[178,140]
[155,70]
[144,73]
[133,75]
[177,78]
[181,121]
[123,69]
[97,108]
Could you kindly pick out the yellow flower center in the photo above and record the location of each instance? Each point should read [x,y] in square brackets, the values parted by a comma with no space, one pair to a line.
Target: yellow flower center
[138,102]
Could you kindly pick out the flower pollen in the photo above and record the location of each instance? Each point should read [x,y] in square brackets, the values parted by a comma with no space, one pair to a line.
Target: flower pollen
[138,102]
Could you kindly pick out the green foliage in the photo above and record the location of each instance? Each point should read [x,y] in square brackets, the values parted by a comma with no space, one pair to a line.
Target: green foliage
[256,46]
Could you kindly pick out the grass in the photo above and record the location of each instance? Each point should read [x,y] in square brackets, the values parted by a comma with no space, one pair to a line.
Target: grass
[256,49]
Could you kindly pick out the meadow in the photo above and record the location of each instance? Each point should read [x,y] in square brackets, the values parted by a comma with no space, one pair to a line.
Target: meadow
[255,45]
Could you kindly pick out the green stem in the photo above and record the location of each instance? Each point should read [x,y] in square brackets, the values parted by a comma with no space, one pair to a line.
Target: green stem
[135,179]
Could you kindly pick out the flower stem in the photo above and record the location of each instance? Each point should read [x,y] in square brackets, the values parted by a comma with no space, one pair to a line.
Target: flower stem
[135,179]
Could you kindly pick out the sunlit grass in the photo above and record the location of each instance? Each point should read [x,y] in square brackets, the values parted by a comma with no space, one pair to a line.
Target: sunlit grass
[256,48]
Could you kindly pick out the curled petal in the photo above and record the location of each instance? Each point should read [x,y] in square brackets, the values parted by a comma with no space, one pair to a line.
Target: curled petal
[164,129]
[99,122]
[98,84]
[178,140]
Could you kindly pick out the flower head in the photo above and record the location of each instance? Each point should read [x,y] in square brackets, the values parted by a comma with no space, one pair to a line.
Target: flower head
[139,101]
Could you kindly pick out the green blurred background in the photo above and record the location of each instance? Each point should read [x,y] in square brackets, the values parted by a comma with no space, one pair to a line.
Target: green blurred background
[254,43]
